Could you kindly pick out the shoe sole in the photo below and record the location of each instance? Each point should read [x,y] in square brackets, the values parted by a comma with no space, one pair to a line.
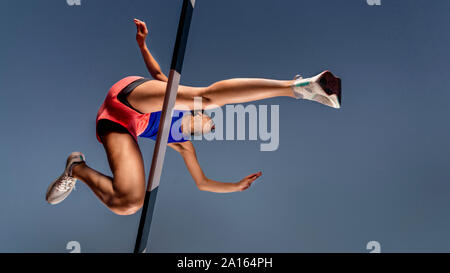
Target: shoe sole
[331,85]
[325,87]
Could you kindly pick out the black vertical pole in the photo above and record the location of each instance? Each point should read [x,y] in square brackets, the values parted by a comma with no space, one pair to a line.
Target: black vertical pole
[164,126]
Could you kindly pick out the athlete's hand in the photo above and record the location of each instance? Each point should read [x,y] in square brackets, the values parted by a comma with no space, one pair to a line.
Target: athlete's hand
[247,181]
[141,33]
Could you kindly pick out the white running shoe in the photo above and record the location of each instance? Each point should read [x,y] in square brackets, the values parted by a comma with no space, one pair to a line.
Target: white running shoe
[324,88]
[63,186]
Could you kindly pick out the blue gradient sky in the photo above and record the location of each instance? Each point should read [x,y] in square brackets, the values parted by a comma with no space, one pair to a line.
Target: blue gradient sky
[377,169]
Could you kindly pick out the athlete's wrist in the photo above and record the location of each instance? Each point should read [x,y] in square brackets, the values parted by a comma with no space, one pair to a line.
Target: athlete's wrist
[237,186]
[142,45]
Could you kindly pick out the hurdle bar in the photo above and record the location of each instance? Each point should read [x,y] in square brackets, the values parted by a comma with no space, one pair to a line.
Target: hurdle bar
[164,126]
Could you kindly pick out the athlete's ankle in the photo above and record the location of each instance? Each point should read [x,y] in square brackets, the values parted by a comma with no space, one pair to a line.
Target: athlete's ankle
[291,92]
[77,168]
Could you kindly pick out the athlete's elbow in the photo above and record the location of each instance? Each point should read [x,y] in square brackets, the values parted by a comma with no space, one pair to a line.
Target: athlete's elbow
[158,75]
[202,186]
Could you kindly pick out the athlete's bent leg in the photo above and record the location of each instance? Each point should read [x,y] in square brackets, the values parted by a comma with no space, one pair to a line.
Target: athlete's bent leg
[124,193]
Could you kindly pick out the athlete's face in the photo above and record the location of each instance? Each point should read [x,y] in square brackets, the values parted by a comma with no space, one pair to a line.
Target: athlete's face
[199,124]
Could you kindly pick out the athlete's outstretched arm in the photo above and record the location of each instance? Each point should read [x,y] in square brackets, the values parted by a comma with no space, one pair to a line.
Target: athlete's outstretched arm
[152,65]
[187,151]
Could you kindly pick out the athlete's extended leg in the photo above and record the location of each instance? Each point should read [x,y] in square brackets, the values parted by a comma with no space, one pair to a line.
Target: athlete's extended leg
[123,194]
[149,96]
[241,90]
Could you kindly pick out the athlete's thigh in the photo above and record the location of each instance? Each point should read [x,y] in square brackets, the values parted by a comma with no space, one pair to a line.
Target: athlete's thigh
[125,160]
[149,96]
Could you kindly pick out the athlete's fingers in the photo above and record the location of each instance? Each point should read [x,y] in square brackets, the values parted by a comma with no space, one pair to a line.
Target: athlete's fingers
[248,177]
[143,28]
[139,28]
[251,175]
[138,22]
[253,179]
[254,175]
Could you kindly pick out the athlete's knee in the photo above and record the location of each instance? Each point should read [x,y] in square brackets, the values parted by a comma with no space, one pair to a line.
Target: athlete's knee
[128,200]
[204,94]
[128,207]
